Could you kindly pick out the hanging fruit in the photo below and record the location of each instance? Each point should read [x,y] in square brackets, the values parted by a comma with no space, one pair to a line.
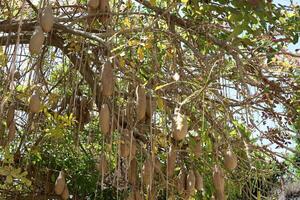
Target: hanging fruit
[133,147]
[181,181]
[140,102]
[104,119]
[190,182]
[60,183]
[125,144]
[171,161]
[65,193]
[157,166]
[180,126]
[199,181]
[230,160]
[94,4]
[10,115]
[107,79]
[12,131]
[197,147]
[147,172]
[36,41]
[132,172]
[47,19]
[138,196]
[91,18]
[102,165]
[34,103]
[218,180]
[105,9]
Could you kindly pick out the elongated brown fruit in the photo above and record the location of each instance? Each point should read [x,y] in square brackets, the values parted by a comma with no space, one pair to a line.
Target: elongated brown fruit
[104,119]
[12,131]
[148,172]
[34,103]
[94,4]
[180,126]
[10,115]
[181,181]
[171,161]
[102,165]
[91,19]
[60,183]
[125,144]
[104,8]
[132,147]
[132,172]
[65,193]
[107,79]
[199,181]
[157,166]
[138,195]
[218,179]
[140,102]
[197,148]
[220,195]
[230,160]
[190,182]
[47,19]
[36,41]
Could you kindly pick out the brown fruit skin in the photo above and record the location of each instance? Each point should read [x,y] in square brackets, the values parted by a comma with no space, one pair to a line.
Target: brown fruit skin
[10,115]
[141,102]
[34,103]
[12,131]
[107,79]
[125,149]
[47,19]
[181,181]
[197,148]
[180,127]
[133,147]
[230,160]
[104,8]
[171,161]
[147,172]
[190,182]
[218,179]
[90,19]
[102,165]
[125,144]
[65,193]
[199,181]
[104,119]
[36,41]
[60,183]
[220,195]
[94,4]
[132,172]
[138,196]
[157,166]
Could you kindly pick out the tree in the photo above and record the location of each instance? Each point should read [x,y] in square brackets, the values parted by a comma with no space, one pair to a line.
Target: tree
[143,98]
